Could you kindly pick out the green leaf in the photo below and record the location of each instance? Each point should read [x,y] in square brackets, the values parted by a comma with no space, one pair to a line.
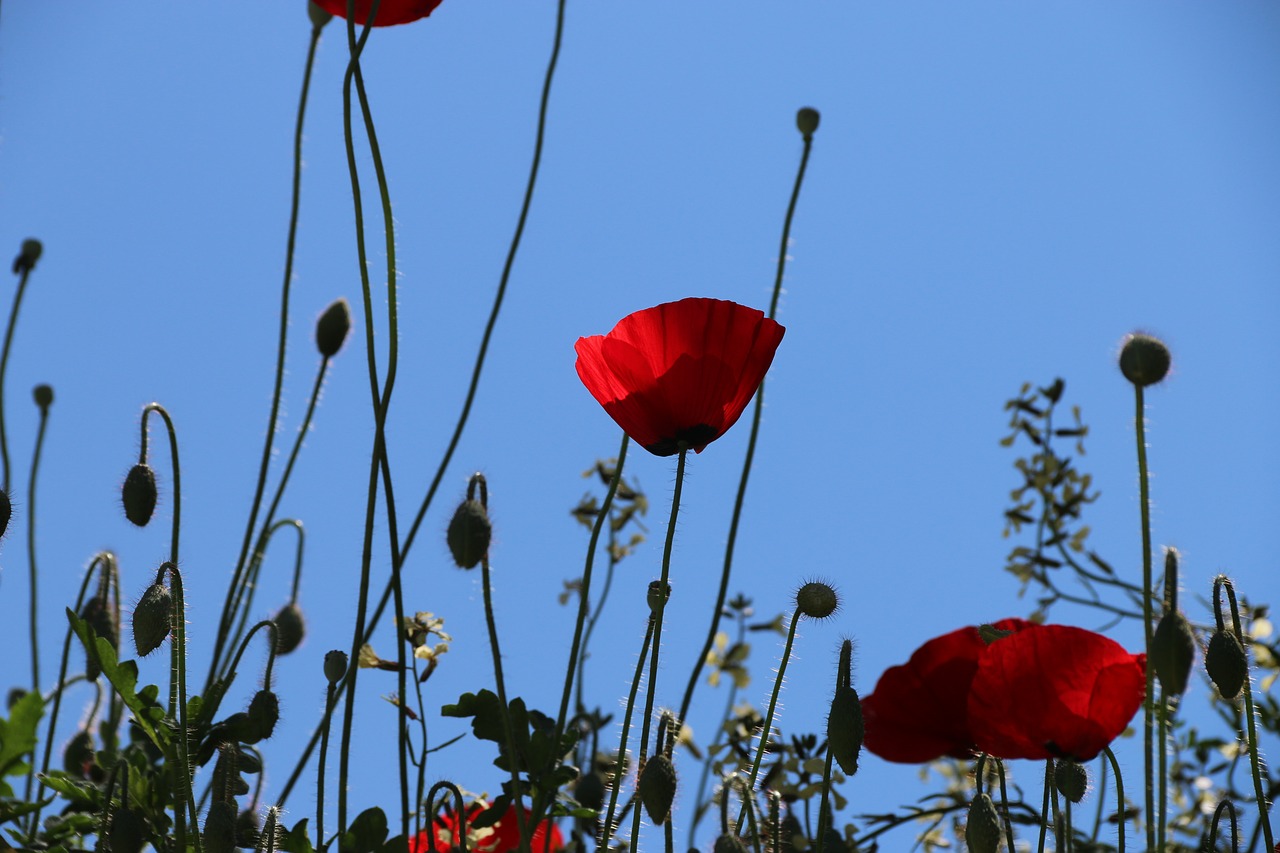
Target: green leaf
[81,794]
[14,809]
[367,833]
[296,840]
[18,733]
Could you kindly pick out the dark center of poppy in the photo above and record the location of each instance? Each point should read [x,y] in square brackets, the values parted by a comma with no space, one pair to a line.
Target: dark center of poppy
[694,436]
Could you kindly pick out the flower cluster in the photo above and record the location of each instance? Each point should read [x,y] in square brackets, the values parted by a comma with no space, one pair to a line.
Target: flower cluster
[1036,691]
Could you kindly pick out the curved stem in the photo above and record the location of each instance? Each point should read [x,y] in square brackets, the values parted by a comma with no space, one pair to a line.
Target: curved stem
[177,471]
[31,549]
[1148,701]
[225,621]
[1120,821]
[1255,760]
[736,517]
[4,364]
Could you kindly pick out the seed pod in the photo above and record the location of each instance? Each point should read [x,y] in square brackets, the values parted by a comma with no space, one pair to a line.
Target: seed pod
[264,713]
[1071,780]
[1226,663]
[128,833]
[335,665]
[817,600]
[43,395]
[152,619]
[332,328]
[220,828]
[845,729]
[982,831]
[658,788]
[469,534]
[729,843]
[1173,649]
[1144,360]
[290,628]
[78,756]
[30,253]
[139,494]
[807,121]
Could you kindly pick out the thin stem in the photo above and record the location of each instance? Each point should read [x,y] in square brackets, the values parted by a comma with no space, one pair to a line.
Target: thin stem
[4,364]
[1120,821]
[1044,808]
[767,728]
[1255,760]
[607,828]
[178,663]
[1148,703]
[224,624]
[740,498]
[31,549]
[1229,807]
[1004,806]
[177,472]
[658,606]
[324,749]
[1162,738]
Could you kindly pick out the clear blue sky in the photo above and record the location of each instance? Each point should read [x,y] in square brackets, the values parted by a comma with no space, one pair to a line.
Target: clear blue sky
[998,192]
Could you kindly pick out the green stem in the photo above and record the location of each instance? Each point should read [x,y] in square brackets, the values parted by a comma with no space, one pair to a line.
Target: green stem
[1229,807]
[324,750]
[1120,819]
[31,549]
[177,472]
[607,828]
[658,605]
[178,664]
[225,622]
[1255,759]
[4,364]
[773,705]
[1148,701]
[1044,808]
[740,498]
[1162,738]
[1004,806]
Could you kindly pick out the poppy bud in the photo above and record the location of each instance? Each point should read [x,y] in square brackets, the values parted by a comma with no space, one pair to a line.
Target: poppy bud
[139,494]
[101,617]
[335,665]
[128,832]
[982,830]
[657,596]
[319,17]
[1144,360]
[1226,663]
[6,511]
[1173,649]
[845,729]
[1071,779]
[290,628]
[658,788]
[589,791]
[220,828]
[807,121]
[469,534]
[78,754]
[333,326]
[729,843]
[43,395]
[817,600]
[247,833]
[152,619]
[27,256]
[264,713]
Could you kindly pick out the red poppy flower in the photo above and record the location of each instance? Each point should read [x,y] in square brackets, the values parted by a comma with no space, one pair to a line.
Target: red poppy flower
[502,837]
[680,372]
[1057,692]
[918,711]
[389,11]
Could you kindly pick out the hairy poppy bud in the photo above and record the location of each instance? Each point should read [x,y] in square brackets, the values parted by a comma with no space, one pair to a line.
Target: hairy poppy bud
[43,395]
[333,326]
[27,256]
[128,833]
[729,843]
[982,830]
[101,617]
[807,120]
[264,713]
[335,665]
[290,628]
[469,534]
[152,619]
[220,828]
[658,788]
[845,729]
[139,494]
[1071,780]
[589,791]
[1144,360]
[77,756]
[1226,663]
[1173,649]
[817,600]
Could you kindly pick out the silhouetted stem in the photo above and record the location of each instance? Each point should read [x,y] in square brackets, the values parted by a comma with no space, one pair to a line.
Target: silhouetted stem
[767,728]
[1120,820]
[4,364]
[1255,760]
[31,549]
[606,830]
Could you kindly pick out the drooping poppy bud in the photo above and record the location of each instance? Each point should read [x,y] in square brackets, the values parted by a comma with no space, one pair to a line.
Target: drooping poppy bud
[817,600]
[290,628]
[101,617]
[333,327]
[152,619]
[1144,360]
[1173,649]
[139,494]
[1226,663]
[982,829]
[30,252]
[1071,779]
[469,534]
[264,713]
[43,395]
[658,788]
[807,121]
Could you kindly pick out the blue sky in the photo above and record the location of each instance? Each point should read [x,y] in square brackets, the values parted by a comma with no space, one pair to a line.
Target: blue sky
[997,194]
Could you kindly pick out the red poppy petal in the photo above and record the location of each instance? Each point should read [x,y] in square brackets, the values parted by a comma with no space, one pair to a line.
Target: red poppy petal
[390,12]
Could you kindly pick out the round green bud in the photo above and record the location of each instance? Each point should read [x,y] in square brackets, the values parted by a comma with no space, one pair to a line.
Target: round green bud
[658,788]
[152,619]
[1173,650]
[138,494]
[333,327]
[1071,780]
[982,830]
[1226,663]
[817,600]
[469,534]
[290,628]
[335,665]
[1144,360]
[807,119]
[102,618]
[43,395]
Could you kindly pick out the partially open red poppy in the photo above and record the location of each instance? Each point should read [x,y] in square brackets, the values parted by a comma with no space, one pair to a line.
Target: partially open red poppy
[389,11]
[919,710]
[1056,692]
[681,372]
[502,837]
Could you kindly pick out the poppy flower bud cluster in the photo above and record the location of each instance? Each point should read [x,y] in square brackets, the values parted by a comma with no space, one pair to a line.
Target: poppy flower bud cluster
[1042,691]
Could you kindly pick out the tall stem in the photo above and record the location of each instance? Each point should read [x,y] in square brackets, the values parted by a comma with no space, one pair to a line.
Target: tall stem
[773,707]
[513,754]
[31,549]
[1148,703]
[4,364]
[1255,759]
[607,827]
[1120,820]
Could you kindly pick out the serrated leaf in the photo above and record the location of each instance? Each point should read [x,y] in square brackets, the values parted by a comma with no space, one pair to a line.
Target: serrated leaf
[85,794]
[18,733]
[13,809]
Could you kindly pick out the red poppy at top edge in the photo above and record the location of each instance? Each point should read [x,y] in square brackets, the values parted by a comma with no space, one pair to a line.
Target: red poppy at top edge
[1057,692]
[918,711]
[502,837]
[681,372]
[389,11]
